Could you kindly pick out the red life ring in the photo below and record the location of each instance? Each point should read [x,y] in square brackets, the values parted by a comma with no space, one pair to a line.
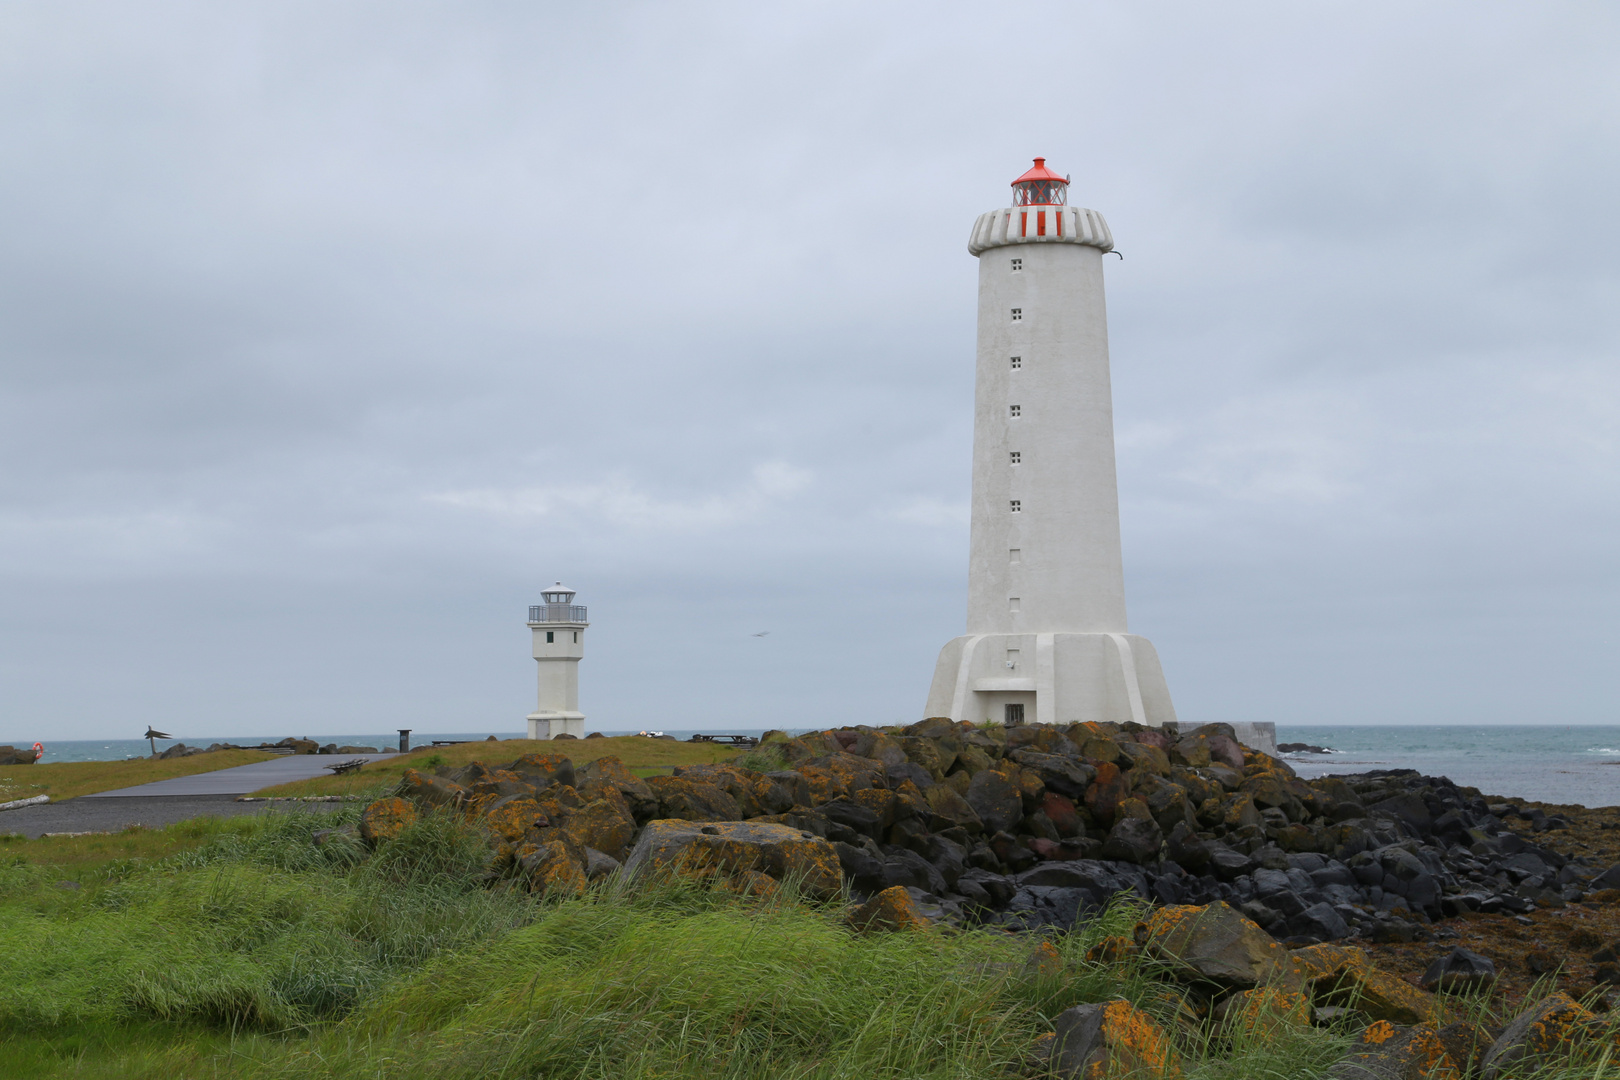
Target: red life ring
[39,751]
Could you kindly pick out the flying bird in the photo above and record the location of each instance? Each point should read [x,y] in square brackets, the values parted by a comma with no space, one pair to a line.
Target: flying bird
[762,633]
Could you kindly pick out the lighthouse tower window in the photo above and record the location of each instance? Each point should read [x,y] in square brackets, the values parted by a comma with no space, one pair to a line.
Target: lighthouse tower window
[1014,714]
[551,637]
[1017,456]
[1017,314]
[1017,506]
[1017,265]
[1017,362]
[1015,410]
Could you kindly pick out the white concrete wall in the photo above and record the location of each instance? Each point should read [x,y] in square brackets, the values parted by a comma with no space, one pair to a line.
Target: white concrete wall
[557,700]
[1061,678]
[1068,575]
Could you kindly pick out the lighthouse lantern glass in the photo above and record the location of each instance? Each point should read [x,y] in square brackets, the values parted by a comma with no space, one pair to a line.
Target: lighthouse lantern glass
[1041,193]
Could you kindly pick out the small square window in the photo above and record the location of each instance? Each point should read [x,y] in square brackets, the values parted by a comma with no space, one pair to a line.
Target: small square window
[1017,265]
[1017,506]
[1017,456]
[1012,604]
[1015,410]
[1015,555]
[1017,362]
[1018,314]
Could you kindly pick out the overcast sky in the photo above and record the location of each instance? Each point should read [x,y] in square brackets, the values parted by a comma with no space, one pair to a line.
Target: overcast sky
[330,333]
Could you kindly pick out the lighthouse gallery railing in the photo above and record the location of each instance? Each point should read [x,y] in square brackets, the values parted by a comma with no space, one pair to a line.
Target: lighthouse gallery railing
[557,613]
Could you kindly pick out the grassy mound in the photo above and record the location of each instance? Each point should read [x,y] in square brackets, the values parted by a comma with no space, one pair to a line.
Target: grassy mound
[259,953]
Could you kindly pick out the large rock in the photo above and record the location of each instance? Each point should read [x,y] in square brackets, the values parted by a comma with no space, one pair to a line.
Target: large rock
[692,800]
[544,769]
[756,793]
[1134,840]
[890,910]
[385,819]
[1388,1052]
[995,799]
[1216,944]
[783,852]
[552,870]
[1536,1036]
[1459,972]
[426,790]
[512,817]
[610,770]
[1110,1039]
[1378,994]
[603,824]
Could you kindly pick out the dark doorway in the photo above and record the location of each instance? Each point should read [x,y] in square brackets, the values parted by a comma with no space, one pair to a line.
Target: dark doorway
[1015,715]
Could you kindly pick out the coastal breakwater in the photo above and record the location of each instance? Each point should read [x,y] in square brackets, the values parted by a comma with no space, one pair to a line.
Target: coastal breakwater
[1035,826]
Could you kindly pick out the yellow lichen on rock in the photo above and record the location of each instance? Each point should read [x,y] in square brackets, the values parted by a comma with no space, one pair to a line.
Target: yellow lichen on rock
[1390,1052]
[783,852]
[893,909]
[552,871]
[385,819]
[1378,994]
[1110,1040]
[1264,1012]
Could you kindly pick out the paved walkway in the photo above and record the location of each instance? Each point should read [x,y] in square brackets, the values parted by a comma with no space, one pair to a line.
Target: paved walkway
[240,780]
[85,814]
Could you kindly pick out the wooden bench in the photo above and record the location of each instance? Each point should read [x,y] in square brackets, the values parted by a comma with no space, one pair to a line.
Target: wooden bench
[352,765]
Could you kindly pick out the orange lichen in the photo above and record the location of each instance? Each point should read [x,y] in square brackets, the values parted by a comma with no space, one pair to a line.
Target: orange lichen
[385,819]
[1135,1043]
[890,910]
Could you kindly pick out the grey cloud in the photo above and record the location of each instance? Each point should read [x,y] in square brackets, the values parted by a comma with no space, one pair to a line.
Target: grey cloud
[327,336]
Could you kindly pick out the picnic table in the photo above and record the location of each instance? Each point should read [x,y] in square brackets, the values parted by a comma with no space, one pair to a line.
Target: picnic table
[747,742]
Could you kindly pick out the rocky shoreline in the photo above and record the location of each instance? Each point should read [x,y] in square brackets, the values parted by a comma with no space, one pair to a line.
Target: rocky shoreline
[1034,826]
[1258,880]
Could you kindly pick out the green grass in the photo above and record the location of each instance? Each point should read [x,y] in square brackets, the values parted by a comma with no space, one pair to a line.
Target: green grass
[252,952]
[645,757]
[70,779]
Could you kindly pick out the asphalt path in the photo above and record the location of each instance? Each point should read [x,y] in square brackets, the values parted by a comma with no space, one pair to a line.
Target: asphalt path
[242,779]
[87,814]
[165,802]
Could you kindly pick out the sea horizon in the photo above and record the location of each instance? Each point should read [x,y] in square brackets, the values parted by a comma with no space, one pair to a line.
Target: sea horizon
[1555,763]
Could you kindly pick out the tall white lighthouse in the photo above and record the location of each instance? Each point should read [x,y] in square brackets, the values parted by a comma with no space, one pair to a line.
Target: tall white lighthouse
[558,628]
[1046,635]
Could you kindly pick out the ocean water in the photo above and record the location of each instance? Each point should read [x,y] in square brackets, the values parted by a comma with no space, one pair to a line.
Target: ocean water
[119,749]
[1550,763]
[1558,764]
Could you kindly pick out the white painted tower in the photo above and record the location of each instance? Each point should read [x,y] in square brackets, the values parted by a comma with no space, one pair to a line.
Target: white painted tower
[1046,636]
[558,627]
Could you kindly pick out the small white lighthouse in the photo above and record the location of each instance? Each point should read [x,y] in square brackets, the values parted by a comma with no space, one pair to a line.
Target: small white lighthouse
[1046,637]
[558,628]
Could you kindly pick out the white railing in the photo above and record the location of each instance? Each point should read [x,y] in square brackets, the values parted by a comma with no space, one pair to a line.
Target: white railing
[542,613]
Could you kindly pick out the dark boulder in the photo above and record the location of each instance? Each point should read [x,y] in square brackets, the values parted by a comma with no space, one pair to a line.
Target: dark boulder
[1459,972]
[996,800]
[1135,840]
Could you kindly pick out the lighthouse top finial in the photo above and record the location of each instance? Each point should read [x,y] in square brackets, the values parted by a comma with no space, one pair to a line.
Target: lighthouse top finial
[1040,186]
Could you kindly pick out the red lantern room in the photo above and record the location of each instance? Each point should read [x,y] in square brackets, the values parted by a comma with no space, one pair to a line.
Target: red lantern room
[1041,187]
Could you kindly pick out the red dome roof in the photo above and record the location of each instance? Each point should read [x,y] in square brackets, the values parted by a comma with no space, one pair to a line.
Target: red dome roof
[1040,172]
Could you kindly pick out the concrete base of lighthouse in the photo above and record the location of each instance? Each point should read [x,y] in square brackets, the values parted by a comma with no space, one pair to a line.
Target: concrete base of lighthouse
[549,725]
[1050,679]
